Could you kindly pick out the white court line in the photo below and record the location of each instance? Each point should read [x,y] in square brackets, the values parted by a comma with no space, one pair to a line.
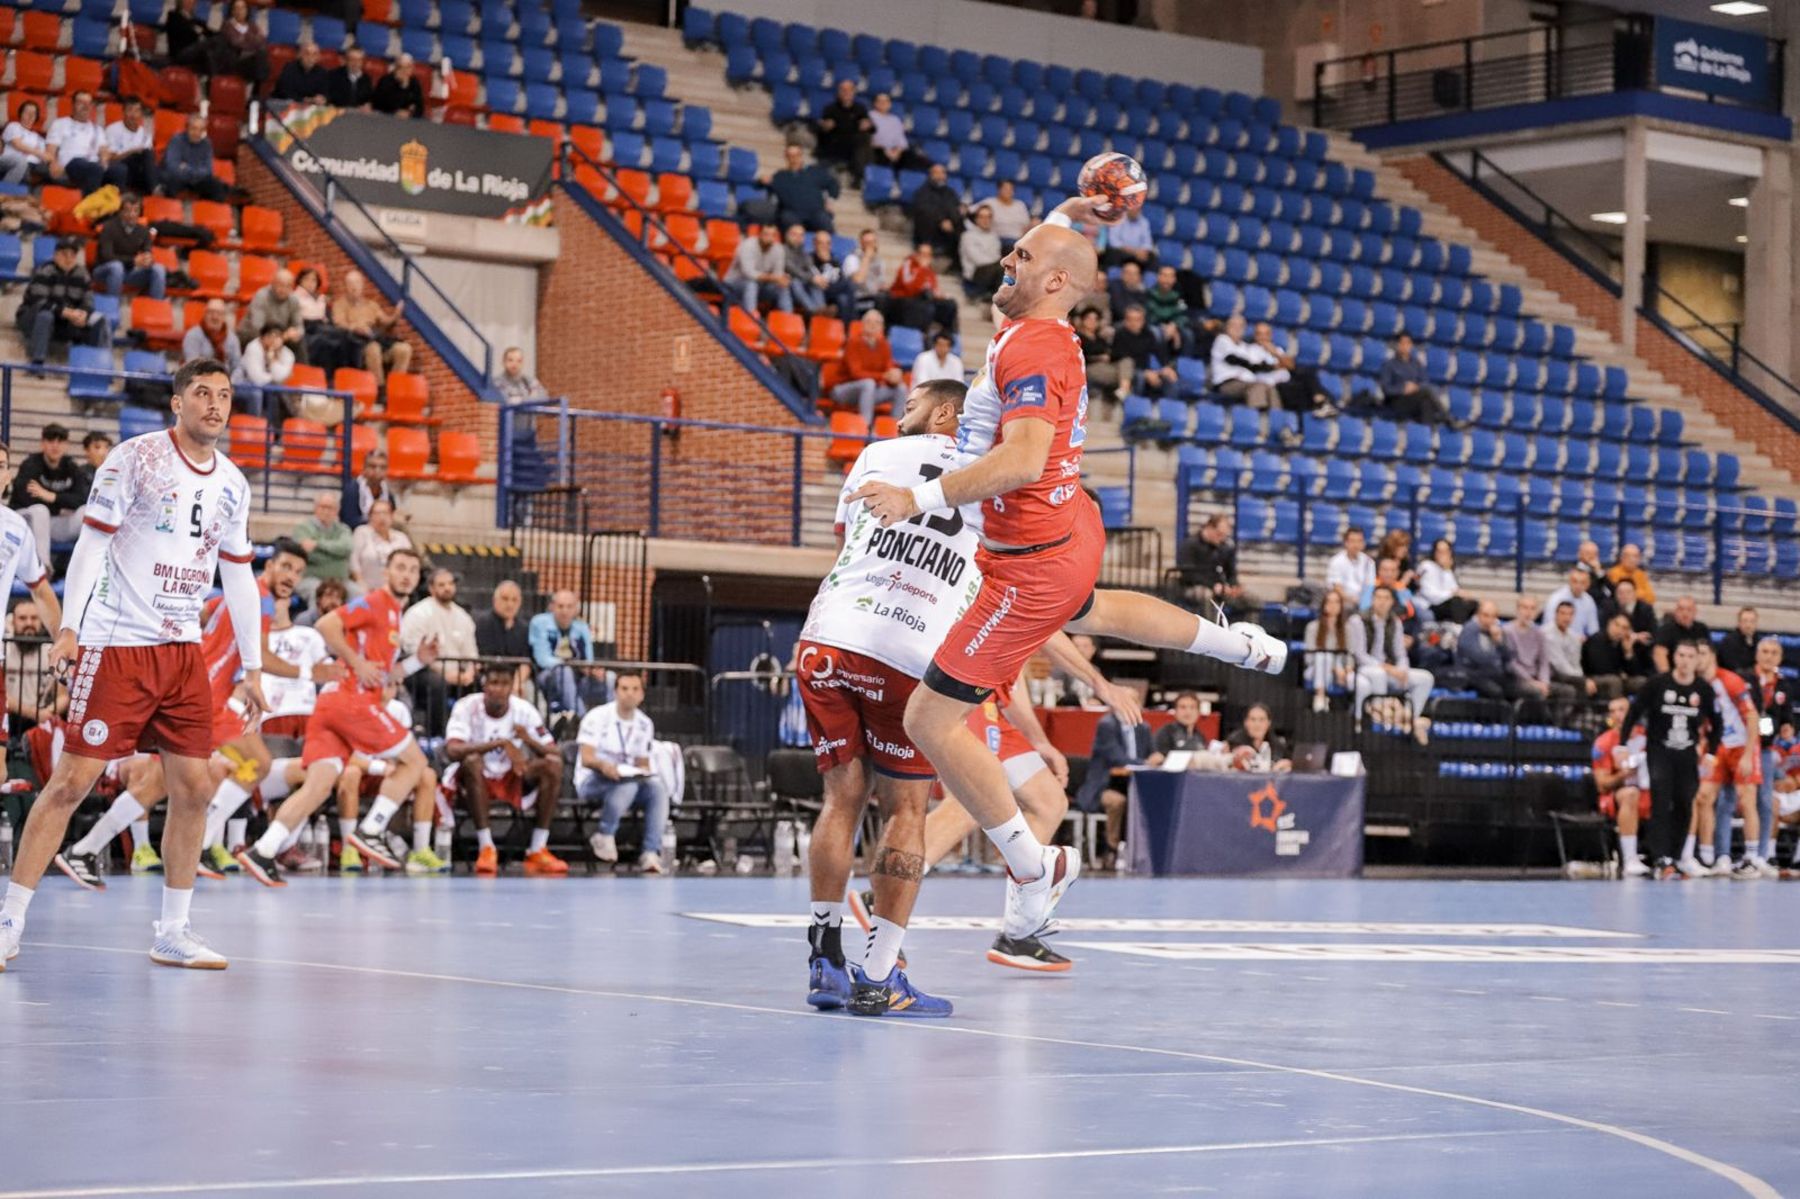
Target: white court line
[1169,924]
[1772,1016]
[1749,1183]
[817,1163]
[1705,1011]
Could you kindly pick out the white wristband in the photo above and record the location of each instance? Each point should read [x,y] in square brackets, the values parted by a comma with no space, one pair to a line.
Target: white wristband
[1059,218]
[929,497]
[306,673]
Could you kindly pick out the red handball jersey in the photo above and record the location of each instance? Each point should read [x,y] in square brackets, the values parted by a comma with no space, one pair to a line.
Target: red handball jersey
[1034,371]
[372,626]
[218,642]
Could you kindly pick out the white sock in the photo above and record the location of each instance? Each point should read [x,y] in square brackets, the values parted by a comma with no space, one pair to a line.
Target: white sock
[421,836]
[276,786]
[230,796]
[376,822]
[175,906]
[292,839]
[346,827]
[484,838]
[1023,852]
[18,898]
[235,830]
[828,914]
[140,830]
[540,839]
[1687,847]
[1219,642]
[1628,846]
[114,821]
[273,838]
[1706,855]
[884,948]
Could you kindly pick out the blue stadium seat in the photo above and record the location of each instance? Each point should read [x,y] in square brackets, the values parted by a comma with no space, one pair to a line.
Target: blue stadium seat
[134,421]
[1210,423]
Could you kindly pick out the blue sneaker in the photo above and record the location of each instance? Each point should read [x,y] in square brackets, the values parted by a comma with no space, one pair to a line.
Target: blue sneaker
[829,986]
[893,996]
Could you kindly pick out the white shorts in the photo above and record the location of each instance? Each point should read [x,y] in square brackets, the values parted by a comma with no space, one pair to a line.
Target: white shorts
[1787,802]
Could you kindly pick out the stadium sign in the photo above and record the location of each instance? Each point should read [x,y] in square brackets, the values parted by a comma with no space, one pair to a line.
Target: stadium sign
[419,164]
[1719,62]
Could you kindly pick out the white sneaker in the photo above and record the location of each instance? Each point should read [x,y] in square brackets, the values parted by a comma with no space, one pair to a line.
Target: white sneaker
[605,847]
[1691,867]
[1321,703]
[180,945]
[1721,868]
[1766,868]
[1029,905]
[10,932]
[1635,868]
[649,863]
[1265,652]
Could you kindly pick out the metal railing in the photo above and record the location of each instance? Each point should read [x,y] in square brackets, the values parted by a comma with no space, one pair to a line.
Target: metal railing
[456,338]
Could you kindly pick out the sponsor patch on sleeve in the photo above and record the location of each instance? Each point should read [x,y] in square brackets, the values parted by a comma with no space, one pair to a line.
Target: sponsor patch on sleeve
[1030,392]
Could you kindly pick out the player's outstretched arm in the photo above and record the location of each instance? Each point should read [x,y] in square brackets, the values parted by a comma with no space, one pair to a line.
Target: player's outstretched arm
[1015,462]
[78,588]
[1122,701]
[244,602]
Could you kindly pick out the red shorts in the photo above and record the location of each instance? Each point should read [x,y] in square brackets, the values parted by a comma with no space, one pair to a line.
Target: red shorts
[126,698]
[347,722]
[856,707]
[1024,601]
[1725,767]
[1609,803]
[998,734]
[285,726]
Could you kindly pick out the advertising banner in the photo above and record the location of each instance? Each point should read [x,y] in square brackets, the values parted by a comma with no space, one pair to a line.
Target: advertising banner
[1195,822]
[1719,62]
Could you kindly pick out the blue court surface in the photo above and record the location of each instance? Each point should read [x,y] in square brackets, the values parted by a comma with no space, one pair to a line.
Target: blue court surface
[647,1037]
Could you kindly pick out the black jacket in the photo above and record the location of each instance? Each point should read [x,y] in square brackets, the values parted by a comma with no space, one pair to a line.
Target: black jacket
[119,244]
[1204,564]
[391,96]
[56,289]
[68,479]
[298,83]
[1737,653]
[342,92]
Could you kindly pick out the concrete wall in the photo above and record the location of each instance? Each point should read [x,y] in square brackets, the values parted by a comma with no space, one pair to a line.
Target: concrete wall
[997,29]
[1711,282]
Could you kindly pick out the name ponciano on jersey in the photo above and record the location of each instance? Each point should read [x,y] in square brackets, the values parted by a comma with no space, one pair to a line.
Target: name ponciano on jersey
[921,550]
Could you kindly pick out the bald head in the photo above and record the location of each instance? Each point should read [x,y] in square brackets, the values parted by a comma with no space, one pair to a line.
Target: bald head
[1046,274]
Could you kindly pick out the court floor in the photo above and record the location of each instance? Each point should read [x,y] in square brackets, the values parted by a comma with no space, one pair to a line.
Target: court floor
[647,1036]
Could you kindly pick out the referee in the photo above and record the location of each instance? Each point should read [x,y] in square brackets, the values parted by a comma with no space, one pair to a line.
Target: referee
[1673,707]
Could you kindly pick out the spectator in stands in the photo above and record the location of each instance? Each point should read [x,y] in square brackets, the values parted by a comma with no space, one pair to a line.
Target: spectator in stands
[1382,665]
[1209,569]
[559,640]
[824,272]
[47,491]
[213,337]
[1438,588]
[1256,748]
[888,144]
[844,129]
[59,305]
[1106,379]
[267,362]
[188,163]
[1484,656]
[372,327]
[370,486]
[349,86]
[1236,364]
[808,296]
[938,362]
[514,384]
[871,378]
[1131,240]
[1683,623]
[913,298]
[1631,566]
[1587,613]
[78,154]
[863,276]
[1404,390]
[499,633]
[1166,310]
[1737,650]
[241,49]
[24,155]
[1612,662]
[94,449]
[190,41]
[1616,776]
[439,617]
[1641,615]
[399,94]
[131,148]
[802,191]
[1330,661]
[323,343]
[1387,574]
[937,212]
[1139,355]
[372,543]
[1563,647]
[1297,387]
[1396,543]
[613,773]
[980,253]
[33,690]
[758,273]
[1181,735]
[1350,570]
[329,595]
[1126,290]
[123,256]
[327,541]
[274,304]
[304,79]
[1012,218]
[1530,653]
[1587,557]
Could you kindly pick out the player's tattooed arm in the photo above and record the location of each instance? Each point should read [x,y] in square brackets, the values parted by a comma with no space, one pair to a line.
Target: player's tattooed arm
[897,863]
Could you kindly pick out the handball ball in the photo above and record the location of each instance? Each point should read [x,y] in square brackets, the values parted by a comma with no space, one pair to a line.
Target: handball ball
[1119,179]
[1241,757]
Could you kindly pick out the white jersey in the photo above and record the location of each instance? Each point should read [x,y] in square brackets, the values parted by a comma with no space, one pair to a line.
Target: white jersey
[301,647]
[168,523]
[470,722]
[18,553]
[894,593]
[614,739]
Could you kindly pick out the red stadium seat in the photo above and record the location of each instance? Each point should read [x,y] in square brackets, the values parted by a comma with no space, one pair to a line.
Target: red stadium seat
[674,193]
[32,72]
[210,214]
[81,75]
[180,89]
[161,210]
[362,440]
[848,437]
[211,273]
[408,400]
[886,427]
[43,31]
[261,227]
[825,339]
[225,170]
[589,140]
[553,130]
[304,442]
[505,122]
[165,124]
[722,238]
[358,383]
[60,203]
[459,457]
[223,129]
[229,95]
[154,321]
[631,189]
[789,330]
[378,10]
[684,231]
[7,16]
[249,441]
[409,452]
[745,327]
[465,90]
[253,275]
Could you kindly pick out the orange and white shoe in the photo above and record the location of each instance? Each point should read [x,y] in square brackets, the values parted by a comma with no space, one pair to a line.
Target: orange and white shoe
[541,863]
[487,862]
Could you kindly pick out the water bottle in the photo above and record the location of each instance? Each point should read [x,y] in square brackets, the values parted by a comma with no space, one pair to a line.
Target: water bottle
[782,853]
[6,844]
[321,832]
[442,840]
[669,855]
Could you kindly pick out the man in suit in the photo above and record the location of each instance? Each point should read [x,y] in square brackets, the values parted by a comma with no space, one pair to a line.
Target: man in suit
[350,86]
[1113,749]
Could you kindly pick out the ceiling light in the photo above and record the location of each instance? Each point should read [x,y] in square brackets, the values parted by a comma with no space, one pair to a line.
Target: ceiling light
[1742,240]
[1739,201]
[1607,218]
[1740,8]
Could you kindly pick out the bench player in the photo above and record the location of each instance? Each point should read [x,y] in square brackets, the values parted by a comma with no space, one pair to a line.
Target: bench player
[167,512]
[500,752]
[1619,779]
